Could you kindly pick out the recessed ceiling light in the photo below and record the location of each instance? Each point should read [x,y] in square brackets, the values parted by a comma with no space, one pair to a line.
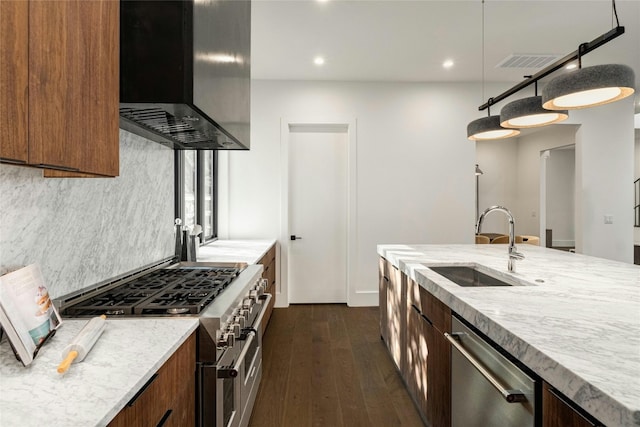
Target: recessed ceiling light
[448,63]
[318,60]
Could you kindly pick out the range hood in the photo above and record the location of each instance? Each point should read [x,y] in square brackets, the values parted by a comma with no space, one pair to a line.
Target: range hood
[185,72]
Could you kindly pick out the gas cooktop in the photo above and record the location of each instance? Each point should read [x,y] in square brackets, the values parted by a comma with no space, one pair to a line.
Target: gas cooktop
[166,291]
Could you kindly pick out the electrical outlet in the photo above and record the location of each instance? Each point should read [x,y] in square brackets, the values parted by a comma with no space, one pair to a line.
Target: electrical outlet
[608,219]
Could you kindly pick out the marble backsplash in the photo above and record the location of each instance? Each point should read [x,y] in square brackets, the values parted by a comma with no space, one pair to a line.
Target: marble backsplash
[82,231]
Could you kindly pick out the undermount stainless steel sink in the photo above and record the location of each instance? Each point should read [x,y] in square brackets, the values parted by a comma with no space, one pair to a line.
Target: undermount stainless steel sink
[468,276]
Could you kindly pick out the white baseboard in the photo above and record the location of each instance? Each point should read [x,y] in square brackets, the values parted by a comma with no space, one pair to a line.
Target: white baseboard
[564,243]
[364,299]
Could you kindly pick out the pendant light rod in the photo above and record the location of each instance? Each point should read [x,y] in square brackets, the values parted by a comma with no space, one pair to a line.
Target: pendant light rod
[577,54]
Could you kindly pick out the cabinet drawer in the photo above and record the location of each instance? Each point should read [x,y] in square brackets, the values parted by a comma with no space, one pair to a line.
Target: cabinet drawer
[268,262]
[436,311]
[383,267]
[268,257]
[269,272]
[152,402]
[267,315]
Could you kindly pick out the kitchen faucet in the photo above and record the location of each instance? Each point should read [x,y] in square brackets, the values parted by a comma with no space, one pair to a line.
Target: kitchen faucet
[513,254]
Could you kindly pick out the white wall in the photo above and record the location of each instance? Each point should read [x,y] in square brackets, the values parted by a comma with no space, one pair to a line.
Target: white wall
[604,170]
[511,176]
[560,190]
[415,166]
[530,146]
[498,184]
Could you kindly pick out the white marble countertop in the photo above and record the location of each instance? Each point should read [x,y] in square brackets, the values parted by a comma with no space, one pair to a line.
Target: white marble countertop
[93,391]
[249,251]
[575,321]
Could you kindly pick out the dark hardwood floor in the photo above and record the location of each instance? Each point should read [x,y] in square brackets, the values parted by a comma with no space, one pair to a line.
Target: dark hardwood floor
[325,365]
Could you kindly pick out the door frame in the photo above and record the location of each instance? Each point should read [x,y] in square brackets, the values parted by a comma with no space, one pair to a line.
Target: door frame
[318,125]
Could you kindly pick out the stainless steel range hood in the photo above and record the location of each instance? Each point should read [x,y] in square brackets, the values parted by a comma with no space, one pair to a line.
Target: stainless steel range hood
[185,72]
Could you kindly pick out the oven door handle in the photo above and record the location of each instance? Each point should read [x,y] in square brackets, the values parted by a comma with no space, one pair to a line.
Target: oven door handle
[267,300]
[233,371]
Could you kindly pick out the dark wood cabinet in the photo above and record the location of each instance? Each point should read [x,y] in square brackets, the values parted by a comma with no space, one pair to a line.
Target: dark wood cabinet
[428,371]
[60,80]
[438,405]
[412,325]
[395,329]
[14,79]
[383,288]
[557,412]
[418,359]
[269,262]
[169,396]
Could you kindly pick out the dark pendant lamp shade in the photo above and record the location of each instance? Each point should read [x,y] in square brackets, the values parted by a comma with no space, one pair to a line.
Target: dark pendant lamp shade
[589,87]
[528,113]
[488,128]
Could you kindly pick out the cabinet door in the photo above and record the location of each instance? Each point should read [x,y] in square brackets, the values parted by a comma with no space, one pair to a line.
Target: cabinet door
[557,413]
[167,395]
[437,394]
[14,78]
[268,262]
[418,359]
[383,286]
[438,408]
[396,314]
[74,86]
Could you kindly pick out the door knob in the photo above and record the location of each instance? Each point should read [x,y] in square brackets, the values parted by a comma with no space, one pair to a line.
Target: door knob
[294,237]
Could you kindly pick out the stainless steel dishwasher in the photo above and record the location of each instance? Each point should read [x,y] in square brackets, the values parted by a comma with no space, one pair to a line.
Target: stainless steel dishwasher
[487,389]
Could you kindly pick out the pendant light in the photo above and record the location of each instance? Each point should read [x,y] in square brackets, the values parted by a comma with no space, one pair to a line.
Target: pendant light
[590,86]
[585,87]
[529,113]
[487,128]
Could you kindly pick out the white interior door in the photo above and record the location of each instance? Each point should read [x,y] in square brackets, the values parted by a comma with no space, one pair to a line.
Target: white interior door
[318,215]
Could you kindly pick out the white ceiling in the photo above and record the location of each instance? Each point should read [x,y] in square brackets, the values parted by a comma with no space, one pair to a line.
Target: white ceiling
[398,40]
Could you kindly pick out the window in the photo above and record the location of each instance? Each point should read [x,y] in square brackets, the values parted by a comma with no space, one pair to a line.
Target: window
[196,190]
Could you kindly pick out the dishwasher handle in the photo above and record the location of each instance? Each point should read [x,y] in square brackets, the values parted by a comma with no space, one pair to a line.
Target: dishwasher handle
[511,396]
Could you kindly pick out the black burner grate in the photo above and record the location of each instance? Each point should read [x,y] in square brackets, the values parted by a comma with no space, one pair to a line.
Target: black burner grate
[161,292]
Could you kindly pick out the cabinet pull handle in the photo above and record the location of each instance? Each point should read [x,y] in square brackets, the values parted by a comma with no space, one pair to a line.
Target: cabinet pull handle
[62,168]
[12,161]
[142,390]
[416,309]
[427,319]
[511,396]
[165,417]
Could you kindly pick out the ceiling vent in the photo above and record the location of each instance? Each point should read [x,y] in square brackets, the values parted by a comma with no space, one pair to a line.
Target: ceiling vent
[525,60]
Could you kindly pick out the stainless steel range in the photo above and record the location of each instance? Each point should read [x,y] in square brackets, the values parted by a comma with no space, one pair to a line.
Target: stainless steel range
[229,301]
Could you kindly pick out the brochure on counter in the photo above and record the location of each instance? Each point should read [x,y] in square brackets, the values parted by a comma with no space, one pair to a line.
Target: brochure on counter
[27,314]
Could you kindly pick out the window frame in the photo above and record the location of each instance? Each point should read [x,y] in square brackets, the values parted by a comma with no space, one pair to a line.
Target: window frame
[179,208]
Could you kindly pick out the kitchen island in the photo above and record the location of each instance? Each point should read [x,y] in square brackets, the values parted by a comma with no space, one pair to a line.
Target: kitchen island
[574,320]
